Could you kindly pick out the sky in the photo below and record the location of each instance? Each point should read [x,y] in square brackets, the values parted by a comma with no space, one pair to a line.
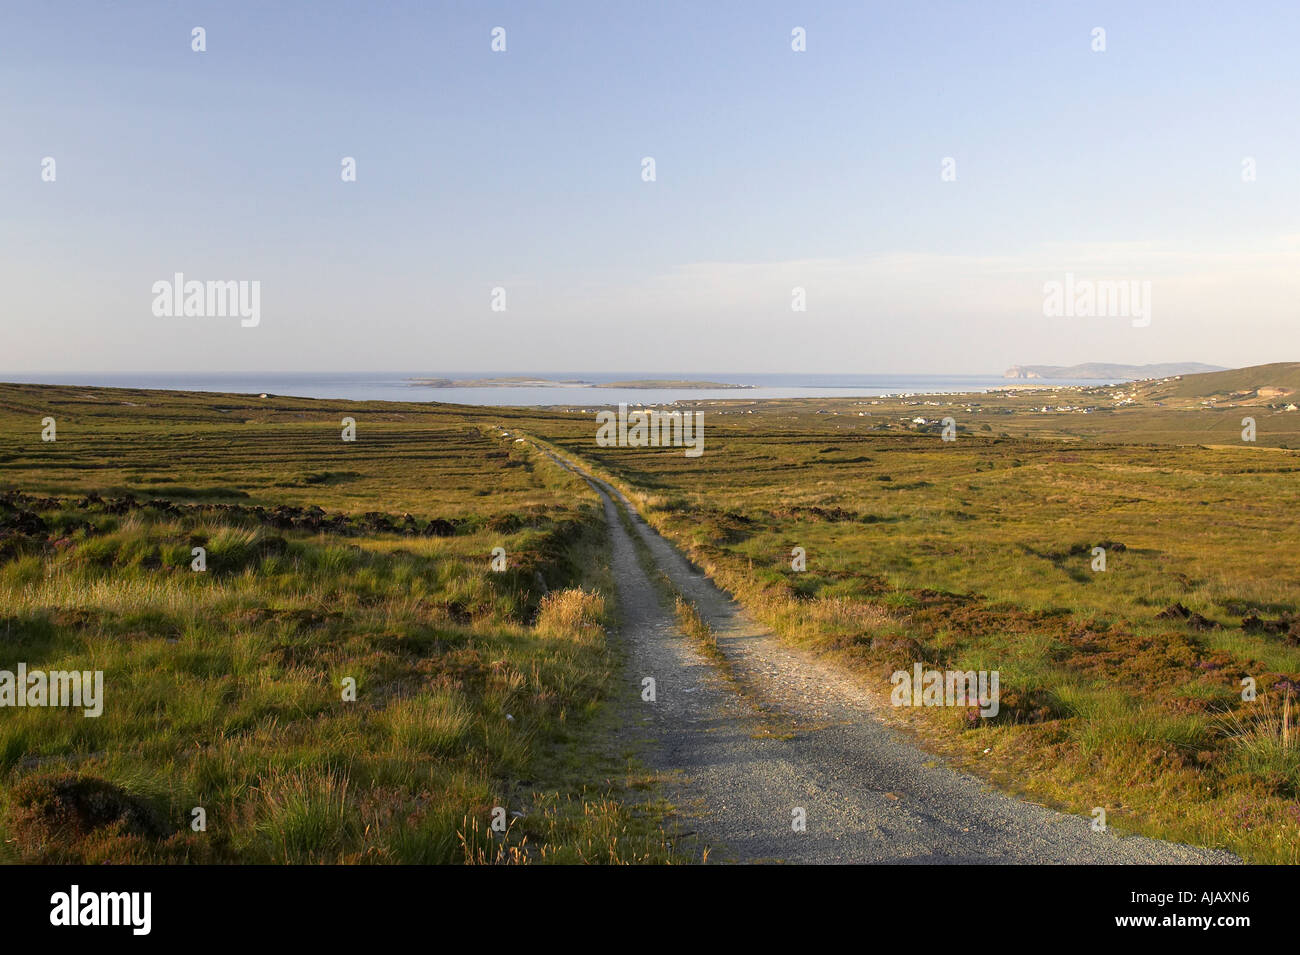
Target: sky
[774,170]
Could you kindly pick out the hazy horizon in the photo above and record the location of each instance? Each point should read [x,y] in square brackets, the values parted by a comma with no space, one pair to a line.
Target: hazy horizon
[698,374]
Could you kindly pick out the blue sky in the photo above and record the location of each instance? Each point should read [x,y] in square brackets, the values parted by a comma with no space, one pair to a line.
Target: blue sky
[521,169]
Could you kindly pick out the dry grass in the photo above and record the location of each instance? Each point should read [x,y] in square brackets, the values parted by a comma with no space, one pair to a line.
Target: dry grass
[572,613]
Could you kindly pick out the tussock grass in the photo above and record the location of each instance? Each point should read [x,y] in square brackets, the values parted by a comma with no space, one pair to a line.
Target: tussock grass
[224,689]
[306,817]
[1266,740]
[571,613]
[432,724]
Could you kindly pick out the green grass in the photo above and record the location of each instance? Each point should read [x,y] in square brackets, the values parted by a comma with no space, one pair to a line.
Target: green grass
[326,562]
[973,554]
[976,554]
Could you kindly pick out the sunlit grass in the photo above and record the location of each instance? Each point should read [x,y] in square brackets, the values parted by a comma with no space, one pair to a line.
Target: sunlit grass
[978,555]
[230,689]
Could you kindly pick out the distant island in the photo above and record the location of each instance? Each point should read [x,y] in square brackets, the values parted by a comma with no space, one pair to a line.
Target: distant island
[1101,370]
[525,382]
[519,381]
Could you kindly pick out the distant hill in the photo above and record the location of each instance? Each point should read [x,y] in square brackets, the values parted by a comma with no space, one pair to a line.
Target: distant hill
[1101,370]
[1277,383]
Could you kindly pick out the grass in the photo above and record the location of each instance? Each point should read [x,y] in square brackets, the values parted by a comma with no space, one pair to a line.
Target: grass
[226,689]
[370,560]
[977,554]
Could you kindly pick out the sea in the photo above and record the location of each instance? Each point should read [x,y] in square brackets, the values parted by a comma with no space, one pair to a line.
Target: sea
[404,386]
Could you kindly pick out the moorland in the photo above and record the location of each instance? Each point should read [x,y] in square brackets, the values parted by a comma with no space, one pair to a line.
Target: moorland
[478,689]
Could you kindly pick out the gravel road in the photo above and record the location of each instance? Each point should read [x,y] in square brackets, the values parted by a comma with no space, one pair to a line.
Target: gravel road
[805,734]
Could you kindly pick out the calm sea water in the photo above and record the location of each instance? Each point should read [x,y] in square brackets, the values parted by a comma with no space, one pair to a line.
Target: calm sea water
[398,386]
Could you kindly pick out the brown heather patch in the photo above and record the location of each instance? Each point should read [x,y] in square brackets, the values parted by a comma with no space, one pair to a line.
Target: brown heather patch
[73,818]
[1147,662]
